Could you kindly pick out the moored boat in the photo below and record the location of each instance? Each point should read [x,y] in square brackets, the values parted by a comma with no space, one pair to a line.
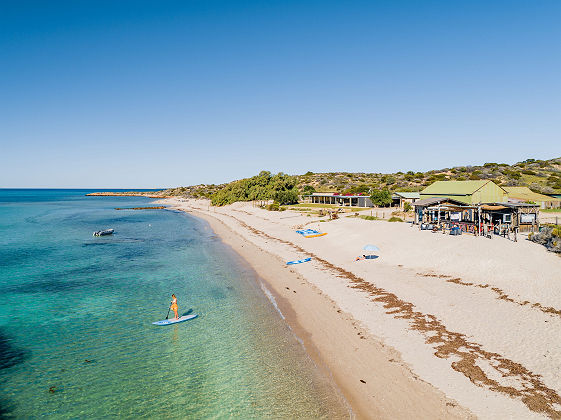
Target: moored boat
[103,232]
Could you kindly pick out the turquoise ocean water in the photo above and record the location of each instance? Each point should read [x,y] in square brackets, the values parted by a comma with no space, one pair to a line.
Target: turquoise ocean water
[76,339]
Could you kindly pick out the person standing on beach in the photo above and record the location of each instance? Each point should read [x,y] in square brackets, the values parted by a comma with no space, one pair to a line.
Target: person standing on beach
[174,306]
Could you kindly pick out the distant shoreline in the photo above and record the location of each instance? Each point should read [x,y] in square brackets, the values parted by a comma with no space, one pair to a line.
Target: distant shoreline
[148,194]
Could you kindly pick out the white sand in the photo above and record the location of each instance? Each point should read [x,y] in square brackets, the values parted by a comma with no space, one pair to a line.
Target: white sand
[474,319]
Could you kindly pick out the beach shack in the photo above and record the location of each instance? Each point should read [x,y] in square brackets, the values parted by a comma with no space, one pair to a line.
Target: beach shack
[343,200]
[473,210]
[523,216]
[399,198]
[468,192]
[444,213]
[526,195]
[443,210]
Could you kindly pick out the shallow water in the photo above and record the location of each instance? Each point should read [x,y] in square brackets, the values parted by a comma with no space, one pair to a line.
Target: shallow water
[76,339]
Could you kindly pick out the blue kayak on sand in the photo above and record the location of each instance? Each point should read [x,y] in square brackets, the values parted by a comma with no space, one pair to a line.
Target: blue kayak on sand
[165,322]
[299,261]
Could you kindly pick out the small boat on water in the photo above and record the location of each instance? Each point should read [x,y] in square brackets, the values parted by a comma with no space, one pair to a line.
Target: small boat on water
[104,232]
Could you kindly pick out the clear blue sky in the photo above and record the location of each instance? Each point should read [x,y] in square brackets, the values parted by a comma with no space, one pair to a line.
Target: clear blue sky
[167,93]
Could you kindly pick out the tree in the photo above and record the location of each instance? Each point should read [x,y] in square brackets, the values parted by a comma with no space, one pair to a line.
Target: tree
[286,196]
[264,186]
[381,198]
[308,189]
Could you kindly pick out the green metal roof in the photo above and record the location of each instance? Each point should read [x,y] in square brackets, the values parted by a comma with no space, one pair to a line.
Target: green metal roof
[455,187]
[408,194]
[525,193]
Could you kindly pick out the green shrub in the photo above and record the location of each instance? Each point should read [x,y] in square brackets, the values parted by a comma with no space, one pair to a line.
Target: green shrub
[549,237]
[407,206]
[308,189]
[388,179]
[369,217]
[381,198]
[273,207]
[286,196]
[513,174]
[395,219]
[264,186]
[357,189]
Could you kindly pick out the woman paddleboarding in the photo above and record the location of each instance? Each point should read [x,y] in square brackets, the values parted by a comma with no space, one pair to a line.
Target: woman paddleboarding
[174,306]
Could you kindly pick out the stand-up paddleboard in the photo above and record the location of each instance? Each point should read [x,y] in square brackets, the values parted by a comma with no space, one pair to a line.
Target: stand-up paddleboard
[299,261]
[310,233]
[175,321]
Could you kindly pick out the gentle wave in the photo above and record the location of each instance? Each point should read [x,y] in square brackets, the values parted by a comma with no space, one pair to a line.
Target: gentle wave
[271,299]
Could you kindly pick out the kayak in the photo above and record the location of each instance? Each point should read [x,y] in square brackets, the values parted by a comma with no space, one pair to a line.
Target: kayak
[298,261]
[170,321]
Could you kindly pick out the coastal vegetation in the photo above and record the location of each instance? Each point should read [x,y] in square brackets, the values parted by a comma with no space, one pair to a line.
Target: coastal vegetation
[280,187]
[542,176]
[381,198]
[550,237]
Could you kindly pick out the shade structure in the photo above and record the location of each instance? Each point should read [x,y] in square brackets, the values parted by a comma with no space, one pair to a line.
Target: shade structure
[370,247]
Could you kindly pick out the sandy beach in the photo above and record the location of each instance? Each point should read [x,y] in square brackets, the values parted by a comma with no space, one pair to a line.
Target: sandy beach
[436,327]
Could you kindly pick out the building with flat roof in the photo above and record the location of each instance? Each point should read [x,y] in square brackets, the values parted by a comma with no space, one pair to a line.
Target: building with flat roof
[339,199]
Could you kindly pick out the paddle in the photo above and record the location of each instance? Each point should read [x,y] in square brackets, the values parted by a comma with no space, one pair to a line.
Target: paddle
[169,309]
